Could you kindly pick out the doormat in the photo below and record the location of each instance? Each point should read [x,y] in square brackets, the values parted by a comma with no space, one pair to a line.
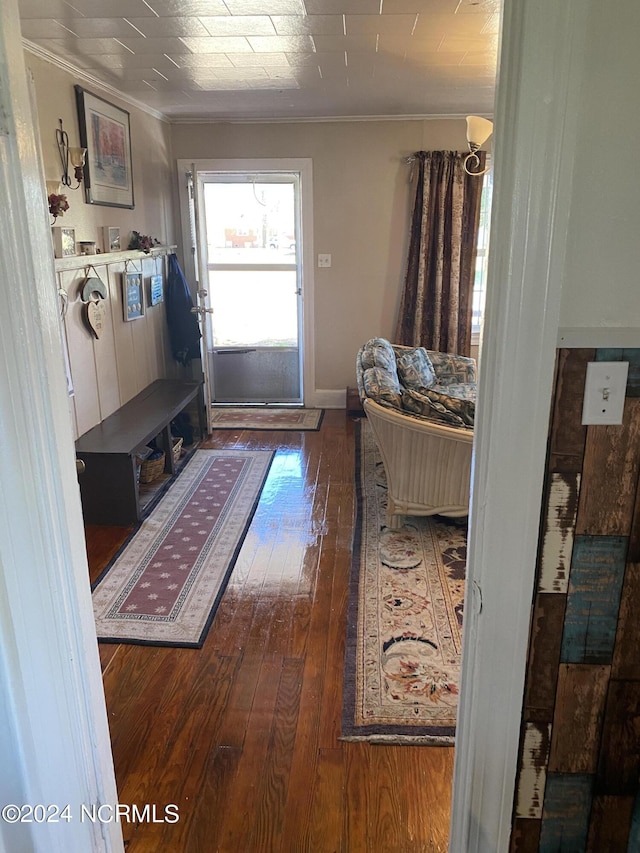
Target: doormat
[404,635]
[165,584]
[267,417]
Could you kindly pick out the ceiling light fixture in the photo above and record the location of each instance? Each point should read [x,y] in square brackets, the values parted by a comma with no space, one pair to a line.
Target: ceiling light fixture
[73,156]
[478,131]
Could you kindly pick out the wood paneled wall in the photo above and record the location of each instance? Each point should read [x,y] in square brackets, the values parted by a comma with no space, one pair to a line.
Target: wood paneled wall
[127,357]
[579,767]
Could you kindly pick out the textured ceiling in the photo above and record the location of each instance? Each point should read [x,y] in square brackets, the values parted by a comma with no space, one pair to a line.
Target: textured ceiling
[278,58]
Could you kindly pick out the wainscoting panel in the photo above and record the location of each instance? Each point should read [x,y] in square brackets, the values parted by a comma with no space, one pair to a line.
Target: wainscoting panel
[578,786]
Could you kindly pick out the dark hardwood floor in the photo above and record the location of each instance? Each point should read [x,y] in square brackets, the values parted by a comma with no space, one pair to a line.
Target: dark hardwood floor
[242,735]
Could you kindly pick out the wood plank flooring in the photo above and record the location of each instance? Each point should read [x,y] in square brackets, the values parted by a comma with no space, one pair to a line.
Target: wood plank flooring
[242,735]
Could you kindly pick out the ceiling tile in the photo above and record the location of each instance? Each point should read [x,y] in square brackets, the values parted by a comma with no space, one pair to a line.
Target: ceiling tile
[239,25]
[295,25]
[45,9]
[473,7]
[90,28]
[217,44]
[153,45]
[342,43]
[395,25]
[84,47]
[479,43]
[250,60]
[167,27]
[42,28]
[114,8]
[266,7]
[187,8]
[402,46]
[201,60]
[342,7]
[276,44]
[461,25]
[430,7]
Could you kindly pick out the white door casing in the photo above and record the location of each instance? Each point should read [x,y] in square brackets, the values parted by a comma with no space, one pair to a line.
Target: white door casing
[55,738]
[303,167]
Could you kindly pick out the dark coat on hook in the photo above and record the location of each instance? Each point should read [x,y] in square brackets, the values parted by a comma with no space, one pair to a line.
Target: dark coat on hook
[184,332]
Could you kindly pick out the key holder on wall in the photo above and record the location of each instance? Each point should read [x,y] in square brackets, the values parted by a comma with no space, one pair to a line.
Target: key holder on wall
[94,294]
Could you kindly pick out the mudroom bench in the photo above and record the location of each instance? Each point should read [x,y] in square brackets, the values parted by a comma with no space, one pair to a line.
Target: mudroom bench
[109,483]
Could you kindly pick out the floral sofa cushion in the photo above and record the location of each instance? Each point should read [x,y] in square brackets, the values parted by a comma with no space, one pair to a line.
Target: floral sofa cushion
[381,386]
[453,369]
[415,370]
[438,407]
[433,385]
[378,352]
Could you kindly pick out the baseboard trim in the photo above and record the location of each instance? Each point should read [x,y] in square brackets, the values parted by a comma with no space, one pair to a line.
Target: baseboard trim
[327,399]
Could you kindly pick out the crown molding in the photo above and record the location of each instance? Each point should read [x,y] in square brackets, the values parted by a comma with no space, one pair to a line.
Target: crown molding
[85,77]
[316,119]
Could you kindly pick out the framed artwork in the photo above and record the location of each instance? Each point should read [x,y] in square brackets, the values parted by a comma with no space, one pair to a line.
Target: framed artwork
[132,295]
[105,133]
[156,289]
[64,242]
[112,240]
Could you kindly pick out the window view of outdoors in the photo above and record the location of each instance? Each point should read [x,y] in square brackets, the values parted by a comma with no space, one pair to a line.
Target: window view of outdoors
[479,285]
[250,228]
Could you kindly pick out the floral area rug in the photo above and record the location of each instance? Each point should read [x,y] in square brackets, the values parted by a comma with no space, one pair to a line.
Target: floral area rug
[404,636]
[166,582]
[266,417]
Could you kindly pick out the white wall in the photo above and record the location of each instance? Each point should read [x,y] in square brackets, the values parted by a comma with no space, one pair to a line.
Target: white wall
[602,267]
[362,205]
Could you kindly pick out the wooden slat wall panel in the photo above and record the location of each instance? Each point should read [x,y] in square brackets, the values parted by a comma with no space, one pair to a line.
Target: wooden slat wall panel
[619,767]
[544,657]
[593,600]
[610,824]
[568,436]
[557,543]
[567,805]
[583,680]
[582,691]
[610,476]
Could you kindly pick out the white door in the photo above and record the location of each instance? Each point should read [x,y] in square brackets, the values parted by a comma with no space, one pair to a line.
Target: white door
[254,261]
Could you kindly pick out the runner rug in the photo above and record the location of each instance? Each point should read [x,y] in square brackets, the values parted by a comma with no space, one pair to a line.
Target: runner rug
[166,582]
[404,639]
[268,417]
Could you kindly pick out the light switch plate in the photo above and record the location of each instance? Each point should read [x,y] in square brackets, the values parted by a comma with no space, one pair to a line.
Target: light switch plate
[604,392]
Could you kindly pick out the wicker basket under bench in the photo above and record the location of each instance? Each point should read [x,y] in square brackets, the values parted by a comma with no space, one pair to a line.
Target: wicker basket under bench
[109,484]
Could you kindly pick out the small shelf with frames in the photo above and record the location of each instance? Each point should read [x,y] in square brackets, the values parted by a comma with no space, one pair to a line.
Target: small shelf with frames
[105,258]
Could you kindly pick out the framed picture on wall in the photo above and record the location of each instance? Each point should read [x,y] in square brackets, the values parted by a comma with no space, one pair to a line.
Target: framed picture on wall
[105,133]
[156,290]
[132,295]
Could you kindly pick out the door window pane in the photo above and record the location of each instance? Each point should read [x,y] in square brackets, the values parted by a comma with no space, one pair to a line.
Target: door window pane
[254,308]
[250,223]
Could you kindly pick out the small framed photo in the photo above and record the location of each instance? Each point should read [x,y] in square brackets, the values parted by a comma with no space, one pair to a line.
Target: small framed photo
[132,295]
[156,289]
[64,242]
[112,240]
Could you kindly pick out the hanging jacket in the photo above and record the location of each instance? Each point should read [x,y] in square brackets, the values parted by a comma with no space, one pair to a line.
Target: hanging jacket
[184,332]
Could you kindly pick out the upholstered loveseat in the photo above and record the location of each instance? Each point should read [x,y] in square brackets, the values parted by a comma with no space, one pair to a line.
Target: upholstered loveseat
[421,407]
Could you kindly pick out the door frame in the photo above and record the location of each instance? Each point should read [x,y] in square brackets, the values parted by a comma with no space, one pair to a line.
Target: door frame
[303,166]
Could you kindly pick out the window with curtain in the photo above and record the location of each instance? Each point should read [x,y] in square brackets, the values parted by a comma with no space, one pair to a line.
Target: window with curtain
[482,256]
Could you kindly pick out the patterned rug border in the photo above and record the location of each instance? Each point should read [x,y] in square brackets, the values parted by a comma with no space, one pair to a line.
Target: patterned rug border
[263,409]
[382,734]
[134,641]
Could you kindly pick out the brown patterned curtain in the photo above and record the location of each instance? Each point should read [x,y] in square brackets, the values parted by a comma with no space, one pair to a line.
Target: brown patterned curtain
[435,311]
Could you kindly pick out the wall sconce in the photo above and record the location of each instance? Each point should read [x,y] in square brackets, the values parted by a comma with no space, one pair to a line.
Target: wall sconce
[75,156]
[478,131]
